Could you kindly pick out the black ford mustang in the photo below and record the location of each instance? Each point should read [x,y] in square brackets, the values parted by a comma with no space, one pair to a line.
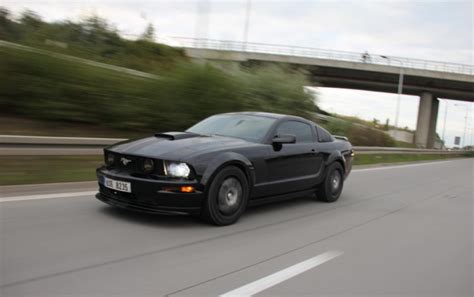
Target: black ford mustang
[224,163]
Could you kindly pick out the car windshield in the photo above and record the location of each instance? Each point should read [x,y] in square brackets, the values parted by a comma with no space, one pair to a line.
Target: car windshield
[248,127]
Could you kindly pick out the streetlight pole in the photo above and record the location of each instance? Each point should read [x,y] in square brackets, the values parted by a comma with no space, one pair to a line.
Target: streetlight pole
[445,117]
[400,87]
[202,22]
[465,122]
[465,127]
[470,125]
[247,22]
[400,90]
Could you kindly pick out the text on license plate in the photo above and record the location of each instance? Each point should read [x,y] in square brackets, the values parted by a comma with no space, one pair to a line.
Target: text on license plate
[117,185]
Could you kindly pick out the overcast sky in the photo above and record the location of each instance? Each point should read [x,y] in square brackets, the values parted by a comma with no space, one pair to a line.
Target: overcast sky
[425,29]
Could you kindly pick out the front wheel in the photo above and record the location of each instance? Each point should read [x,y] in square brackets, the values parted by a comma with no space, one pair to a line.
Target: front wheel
[227,197]
[331,188]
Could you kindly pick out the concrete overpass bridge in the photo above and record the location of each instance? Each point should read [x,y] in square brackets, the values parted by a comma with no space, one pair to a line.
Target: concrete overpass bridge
[429,80]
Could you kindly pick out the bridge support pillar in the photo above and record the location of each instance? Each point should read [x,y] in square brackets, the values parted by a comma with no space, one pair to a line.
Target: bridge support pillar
[425,135]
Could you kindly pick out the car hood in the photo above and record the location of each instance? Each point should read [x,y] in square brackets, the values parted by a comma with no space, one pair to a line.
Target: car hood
[177,146]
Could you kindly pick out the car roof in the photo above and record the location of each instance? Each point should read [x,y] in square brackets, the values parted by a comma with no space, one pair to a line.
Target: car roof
[268,115]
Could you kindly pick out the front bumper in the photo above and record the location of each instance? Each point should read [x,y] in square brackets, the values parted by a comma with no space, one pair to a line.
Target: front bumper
[149,195]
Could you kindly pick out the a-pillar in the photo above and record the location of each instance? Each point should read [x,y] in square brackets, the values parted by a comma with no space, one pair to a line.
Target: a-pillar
[425,135]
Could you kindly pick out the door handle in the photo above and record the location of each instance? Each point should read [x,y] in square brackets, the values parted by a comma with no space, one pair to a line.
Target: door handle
[314,152]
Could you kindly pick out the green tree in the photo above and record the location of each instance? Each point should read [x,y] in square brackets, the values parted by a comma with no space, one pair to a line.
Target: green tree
[149,33]
[30,19]
[7,26]
[387,124]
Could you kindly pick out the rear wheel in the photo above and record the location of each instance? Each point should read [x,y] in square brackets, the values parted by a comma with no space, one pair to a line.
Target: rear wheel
[227,197]
[331,188]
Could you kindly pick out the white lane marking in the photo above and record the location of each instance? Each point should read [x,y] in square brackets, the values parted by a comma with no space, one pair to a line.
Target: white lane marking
[399,166]
[47,196]
[282,275]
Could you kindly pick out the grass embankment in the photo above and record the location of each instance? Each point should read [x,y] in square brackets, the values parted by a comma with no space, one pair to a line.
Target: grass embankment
[368,159]
[17,170]
[63,97]
[92,38]
[11,125]
[47,89]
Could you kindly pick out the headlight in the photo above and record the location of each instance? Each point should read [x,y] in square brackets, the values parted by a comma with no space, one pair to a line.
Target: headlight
[177,169]
[109,159]
[148,165]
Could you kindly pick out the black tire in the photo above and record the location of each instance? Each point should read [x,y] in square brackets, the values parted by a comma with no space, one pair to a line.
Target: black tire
[227,197]
[331,188]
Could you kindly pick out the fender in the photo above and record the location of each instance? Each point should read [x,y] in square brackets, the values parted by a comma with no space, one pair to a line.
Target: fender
[335,156]
[228,158]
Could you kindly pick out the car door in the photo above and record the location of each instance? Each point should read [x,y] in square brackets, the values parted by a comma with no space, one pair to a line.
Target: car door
[294,166]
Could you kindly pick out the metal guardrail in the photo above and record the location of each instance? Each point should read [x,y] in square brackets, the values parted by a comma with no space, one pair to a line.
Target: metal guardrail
[400,150]
[11,145]
[54,141]
[298,51]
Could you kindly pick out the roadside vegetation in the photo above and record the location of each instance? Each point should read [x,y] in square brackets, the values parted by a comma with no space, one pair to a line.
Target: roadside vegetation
[23,170]
[369,159]
[45,95]
[91,38]
[46,88]
[48,91]
[358,134]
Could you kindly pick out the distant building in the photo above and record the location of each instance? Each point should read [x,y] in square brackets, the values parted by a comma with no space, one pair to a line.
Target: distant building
[400,135]
[407,136]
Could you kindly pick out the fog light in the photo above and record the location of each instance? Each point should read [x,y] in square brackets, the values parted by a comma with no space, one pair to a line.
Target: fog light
[109,159]
[148,165]
[187,189]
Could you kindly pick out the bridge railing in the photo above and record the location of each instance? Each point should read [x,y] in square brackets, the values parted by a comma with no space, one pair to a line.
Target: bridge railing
[298,51]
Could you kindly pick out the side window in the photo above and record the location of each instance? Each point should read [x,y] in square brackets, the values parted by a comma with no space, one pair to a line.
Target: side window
[302,131]
[323,135]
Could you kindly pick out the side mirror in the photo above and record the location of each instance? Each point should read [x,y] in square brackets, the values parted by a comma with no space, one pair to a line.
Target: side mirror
[284,138]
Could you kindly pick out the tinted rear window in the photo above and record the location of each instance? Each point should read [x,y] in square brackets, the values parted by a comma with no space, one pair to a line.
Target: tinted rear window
[323,135]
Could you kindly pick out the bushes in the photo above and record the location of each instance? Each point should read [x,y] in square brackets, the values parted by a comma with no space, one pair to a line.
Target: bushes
[46,88]
[369,137]
[279,90]
[43,87]
[93,38]
[357,134]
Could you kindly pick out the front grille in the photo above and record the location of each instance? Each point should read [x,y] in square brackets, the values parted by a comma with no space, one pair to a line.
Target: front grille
[134,164]
[127,163]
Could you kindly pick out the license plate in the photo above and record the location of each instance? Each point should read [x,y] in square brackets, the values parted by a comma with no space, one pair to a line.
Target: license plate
[117,185]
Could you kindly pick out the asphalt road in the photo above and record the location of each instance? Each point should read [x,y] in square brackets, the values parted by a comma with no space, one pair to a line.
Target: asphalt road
[396,231]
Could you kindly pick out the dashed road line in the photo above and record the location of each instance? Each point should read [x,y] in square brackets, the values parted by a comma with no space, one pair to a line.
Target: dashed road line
[282,275]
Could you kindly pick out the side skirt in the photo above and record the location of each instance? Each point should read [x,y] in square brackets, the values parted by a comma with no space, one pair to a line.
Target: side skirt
[263,200]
